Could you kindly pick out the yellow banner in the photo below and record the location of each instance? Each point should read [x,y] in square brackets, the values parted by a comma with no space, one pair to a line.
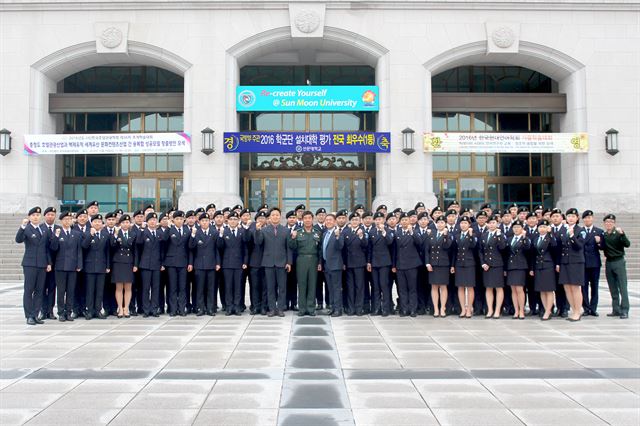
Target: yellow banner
[506,142]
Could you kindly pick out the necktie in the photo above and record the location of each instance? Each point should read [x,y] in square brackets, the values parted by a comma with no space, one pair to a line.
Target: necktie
[275,231]
[68,233]
[490,236]
[515,241]
[125,236]
[539,242]
[51,228]
[153,233]
[325,243]
[234,233]
[98,236]
[438,236]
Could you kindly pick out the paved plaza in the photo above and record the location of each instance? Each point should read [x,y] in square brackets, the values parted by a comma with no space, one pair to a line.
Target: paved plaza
[254,370]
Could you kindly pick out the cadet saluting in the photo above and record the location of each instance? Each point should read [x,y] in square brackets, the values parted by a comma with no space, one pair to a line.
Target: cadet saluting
[543,268]
[96,266]
[123,242]
[67,244]
[235,257]
[436,253]
[36,262]
[464,266]
[406,263]
[571,241]
[517,267]
[491,245]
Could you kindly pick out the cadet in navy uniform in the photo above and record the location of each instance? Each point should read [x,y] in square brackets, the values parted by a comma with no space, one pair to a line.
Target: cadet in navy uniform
[517,266]
[406,263]
[333,262]
[49,295]
[355,250]
[492,243]
[424,295]
[593,243]
[276,261]
[438,262]
[177,261]
[571,241]
[96,266]
[533,297]
[544,266]
[36,262]
[123,244]
[234,260]
[558,227]
[83,225]
[109,298]
[66,243]
[379,264]
[257,284]
[149,261]
[464,266]
[206,261]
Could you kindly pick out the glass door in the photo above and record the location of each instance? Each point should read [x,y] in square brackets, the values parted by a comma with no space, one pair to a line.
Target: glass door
[166,194]
[320,193]
[294,192]
[143,193]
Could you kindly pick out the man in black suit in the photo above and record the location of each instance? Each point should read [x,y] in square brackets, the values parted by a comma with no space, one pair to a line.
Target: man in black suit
[36,262]
[593,243]
[257,284]
[206,262]
[333,263]
[97,263]
[234,261]
[276,261]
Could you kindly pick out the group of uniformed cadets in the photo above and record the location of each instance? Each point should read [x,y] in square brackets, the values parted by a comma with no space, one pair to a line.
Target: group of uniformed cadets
[494,261]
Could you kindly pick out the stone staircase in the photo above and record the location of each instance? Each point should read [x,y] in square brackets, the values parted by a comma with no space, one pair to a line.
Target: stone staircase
[11,252]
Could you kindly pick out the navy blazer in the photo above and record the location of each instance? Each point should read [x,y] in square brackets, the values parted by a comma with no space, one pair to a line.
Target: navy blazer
[235,252]
[379,248]
[355,248]
[205,250]
[571,248]
[97,257]
[124,250]
[36,245]
[465,255]
[149,249]
[332,259]
[436,250]
[275,248]
[544,254]
[255,250]
[177,252]
[592,249]
[517,254]
[490,252]
[407,253]
[68,249]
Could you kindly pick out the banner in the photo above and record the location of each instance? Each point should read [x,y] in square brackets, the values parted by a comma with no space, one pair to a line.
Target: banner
[312,142]
[307,98]
[506,142]
[108,143]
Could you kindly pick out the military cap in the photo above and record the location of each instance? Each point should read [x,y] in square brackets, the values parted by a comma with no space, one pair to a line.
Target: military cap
[203,216]
[49,209]
[92,203]
[342,212]
[397,210]
[35,210]
[381,207]
[378,214]
[411,213]
[237,207]
[261,213]
[211,206]
[150,206]
[289,214]
[82,211]
[218,213]
[556,211]
[418,205]
[422,215]
[354,214]
[110,215]
[189,213]
[494,217]
[390,215]
[243,211]
[436,209]
[152,215]
[233,214]
[465,211]
[226,209]
[119,211]
[538,207]
[358,207]
[199,210]
[517,223]
[178,213]
[124,217]
[451,211]
[572,211]
[300,207]
[523,209]
[453,203]
[440,219]
[367,214]
[543,222]
[513,205]
[96,217]
[403,215]
[162,216]
[609,216]
[138,213]
[587,213]
[321,210]
[485,206]
[65,214]
[531,214]
[264,206]
[465,219]
[482,213]
[505,211]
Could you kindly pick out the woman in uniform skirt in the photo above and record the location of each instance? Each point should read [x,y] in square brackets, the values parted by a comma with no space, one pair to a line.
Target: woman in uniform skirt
[123,243]
[571,241]
[492,243]
[517,266]
[544,268]
[464,267]
[436,250]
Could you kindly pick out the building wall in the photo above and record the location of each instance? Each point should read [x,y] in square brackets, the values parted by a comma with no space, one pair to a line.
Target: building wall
[592,49]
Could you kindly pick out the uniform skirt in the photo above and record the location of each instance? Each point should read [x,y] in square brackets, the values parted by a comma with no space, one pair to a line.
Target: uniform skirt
[494,277]
[572,273]
[517,277]
[122,273]
[439,276]
[545,280]
[465,276]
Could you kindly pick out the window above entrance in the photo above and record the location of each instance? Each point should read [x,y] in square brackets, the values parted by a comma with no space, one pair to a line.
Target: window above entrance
[120,79]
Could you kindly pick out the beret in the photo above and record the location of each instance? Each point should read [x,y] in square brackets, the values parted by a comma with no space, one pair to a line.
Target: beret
[49,209]
[35,210]
[96,217]
[152,215]
[65,214]
[124,217]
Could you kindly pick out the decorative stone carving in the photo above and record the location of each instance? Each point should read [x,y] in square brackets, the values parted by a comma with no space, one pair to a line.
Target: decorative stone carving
[307,19]
[503,37]
[111,37]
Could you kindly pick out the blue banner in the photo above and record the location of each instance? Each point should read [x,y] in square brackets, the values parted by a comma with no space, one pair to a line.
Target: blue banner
[311,142]
[307,98]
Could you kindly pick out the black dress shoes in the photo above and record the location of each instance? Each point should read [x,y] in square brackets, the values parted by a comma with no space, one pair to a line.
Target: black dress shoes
[31,321]
[624,316]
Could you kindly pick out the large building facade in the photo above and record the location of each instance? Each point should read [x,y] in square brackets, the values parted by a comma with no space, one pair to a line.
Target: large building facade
[105,68]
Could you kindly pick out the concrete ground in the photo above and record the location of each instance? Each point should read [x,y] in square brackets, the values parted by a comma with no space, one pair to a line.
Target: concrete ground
[319,371]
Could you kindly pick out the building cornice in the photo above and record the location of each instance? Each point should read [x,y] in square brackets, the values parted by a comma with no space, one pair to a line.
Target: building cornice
[519,5]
